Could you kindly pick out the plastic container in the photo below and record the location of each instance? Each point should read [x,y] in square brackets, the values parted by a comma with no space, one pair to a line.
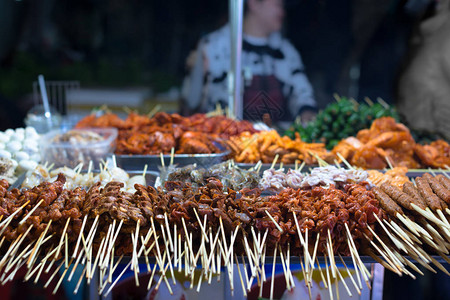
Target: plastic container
[72,147]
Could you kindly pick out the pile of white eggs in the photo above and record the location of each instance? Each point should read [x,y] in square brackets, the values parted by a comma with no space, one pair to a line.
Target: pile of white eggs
[21,146]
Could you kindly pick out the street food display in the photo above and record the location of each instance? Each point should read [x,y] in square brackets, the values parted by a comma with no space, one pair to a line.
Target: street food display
[359,205]
[197,219]
[159,134]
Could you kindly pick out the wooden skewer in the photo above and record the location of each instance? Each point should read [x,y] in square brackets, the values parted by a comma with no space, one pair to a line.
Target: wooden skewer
[307,284]
[274,162]
[387,249]
[117,279]
[330,289]
[344,282]
[61,278]
[79,237]
[61,240]
[428,215]
[286,276]
[201,226]
[382,262]
[350,275]
[4,224]
[31,212]
[161,156]
[354,251]
[38,244]
[273,272]
[172,154]
[344,161]
[22,255]
[53,275]
[407,262]
[274,222]
[240,276]
[331,255]
[166,220]
[394,268]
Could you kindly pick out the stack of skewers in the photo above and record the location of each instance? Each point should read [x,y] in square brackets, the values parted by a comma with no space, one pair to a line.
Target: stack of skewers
[183,226]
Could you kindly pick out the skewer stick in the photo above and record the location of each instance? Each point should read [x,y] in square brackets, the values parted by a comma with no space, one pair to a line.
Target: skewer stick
[38,244]
[274,161]
[397,243]
[240,276]
[382,262]
[389,162]
[274,222]
[117,279]
[330,289]
[201,226]
[20,256]
[53,275]
[283,265]
[75,291]
[428,215]
[350,275]
[273,272]
[166,244]
[171,243]
[307,284]
[344,161]
[172,154]
[6,221]
[61,279]
[62,238]
[331,255]
[394,268]
[353,249]
[145,170]
[31,212]
[161,156]
[344,282]
[407,262]
[79,236]
[387,249]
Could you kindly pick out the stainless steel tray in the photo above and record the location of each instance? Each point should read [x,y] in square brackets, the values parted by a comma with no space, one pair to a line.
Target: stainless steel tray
[277,166]
[138,162]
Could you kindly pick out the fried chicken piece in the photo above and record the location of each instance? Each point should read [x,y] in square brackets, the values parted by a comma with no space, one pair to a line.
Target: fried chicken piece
[435,155]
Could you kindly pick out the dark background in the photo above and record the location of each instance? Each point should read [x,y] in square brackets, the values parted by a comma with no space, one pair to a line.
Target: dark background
[355,48]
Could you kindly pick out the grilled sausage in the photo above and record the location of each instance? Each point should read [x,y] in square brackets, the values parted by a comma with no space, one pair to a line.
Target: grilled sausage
[425,190]
[444,181]
[438,188]
[411,190]
[386,202]
[397,195]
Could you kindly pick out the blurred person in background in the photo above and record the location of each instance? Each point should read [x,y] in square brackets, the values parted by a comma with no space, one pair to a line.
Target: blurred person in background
[424,86]
[275,82]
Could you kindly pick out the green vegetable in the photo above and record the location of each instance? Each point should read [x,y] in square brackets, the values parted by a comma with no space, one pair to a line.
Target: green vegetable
[340,120]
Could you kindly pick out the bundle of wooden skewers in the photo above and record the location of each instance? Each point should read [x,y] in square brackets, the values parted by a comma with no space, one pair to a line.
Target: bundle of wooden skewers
[210,227]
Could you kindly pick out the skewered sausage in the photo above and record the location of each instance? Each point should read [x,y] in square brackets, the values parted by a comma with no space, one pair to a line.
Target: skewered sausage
[411,190]
[444,181]
[386,202]
[397,195]
[425,190]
